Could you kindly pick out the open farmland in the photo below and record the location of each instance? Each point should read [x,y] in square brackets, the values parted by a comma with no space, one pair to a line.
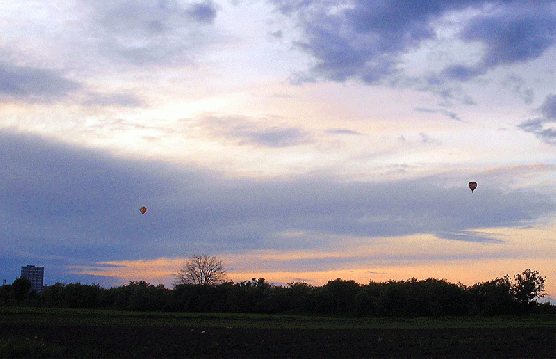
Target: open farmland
[34,332]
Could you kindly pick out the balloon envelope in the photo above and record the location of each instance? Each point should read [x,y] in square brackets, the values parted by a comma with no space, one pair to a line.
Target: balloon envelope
[472,186]
[143,209]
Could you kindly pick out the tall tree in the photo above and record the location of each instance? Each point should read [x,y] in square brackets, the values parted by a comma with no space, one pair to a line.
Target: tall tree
[528,286]
[201,269]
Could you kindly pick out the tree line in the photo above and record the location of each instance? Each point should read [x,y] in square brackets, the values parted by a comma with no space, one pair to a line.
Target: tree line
[406,298]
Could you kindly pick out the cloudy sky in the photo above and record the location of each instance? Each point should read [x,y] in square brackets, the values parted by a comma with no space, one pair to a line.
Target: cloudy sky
[298,140]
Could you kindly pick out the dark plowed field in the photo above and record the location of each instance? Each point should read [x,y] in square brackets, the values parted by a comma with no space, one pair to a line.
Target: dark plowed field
[89,341]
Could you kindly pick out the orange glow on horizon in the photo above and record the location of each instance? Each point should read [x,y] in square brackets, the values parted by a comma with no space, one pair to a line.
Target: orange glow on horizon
[376,259]
[468,272]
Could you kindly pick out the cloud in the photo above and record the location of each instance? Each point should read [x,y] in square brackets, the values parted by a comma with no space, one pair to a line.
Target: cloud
[73,207]
[277,34]
[244,131]
[514,33]
[539,126]
[462,72]
[548,108]
[468,236]
[152,18]
[450,114]
[115,99]
[425,138]
[341,131]
[202,12]
[517,84]
[33,84]
[152,32]
[517,32]
[61,197]
[364,39]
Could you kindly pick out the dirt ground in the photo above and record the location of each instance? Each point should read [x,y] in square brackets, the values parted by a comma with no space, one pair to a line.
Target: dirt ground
[215,342]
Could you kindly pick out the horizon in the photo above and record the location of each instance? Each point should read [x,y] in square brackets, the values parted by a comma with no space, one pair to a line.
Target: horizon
[315,141]
[236,278]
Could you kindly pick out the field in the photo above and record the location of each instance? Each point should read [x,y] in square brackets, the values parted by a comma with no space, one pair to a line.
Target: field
[80,333]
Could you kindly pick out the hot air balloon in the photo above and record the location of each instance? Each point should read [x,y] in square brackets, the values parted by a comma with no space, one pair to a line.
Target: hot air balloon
[143,210]
[472,186]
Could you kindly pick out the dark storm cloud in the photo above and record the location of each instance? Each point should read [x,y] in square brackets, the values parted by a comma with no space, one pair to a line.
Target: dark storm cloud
[33,84]
[539,126]
[363,39]
[71,206]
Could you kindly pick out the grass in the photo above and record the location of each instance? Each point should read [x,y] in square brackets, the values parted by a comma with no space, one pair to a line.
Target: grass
[88,333]
[130,318]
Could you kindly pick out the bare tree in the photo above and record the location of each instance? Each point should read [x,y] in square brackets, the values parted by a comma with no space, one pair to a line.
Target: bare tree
[201,269]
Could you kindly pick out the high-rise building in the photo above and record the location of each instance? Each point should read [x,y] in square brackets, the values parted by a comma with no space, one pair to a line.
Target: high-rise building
[35,276]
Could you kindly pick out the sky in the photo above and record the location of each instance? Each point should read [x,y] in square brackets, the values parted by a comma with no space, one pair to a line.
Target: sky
[296,140]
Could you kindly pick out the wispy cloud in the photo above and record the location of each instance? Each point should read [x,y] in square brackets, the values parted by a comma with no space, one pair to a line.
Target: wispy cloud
[264,132]
[470,236]
[112,100]
[450,114]
[341,131]
[540,126]
[518,85]
[148,33]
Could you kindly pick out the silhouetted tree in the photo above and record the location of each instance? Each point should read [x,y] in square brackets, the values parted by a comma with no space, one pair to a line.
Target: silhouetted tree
[492,297]
[6,294]
[410,298]
[393,300]
[247,296]
[441,298]
[144,296]
[77,295]
[337,297]
[528,286]
[301,297]
[21,287]
[53,295]
[197,298]
[365,302]
[201,269]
